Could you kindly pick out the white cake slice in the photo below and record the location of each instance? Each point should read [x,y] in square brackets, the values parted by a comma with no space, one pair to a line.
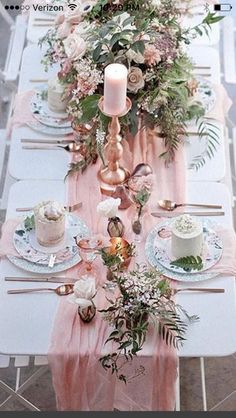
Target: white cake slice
[187,237]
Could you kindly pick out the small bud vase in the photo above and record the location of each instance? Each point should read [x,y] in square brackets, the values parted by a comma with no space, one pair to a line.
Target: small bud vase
[87,314]
[115,227]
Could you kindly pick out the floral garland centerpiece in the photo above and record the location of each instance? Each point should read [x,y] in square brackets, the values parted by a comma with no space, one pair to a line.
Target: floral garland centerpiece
[144,301]
[147,36]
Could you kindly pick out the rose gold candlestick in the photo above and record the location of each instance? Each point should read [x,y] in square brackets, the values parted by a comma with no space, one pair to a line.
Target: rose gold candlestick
[113,174]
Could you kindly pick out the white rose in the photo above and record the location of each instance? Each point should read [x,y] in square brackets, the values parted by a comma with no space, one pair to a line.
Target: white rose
[84,291]
[156,3]
[135,56]
[75,47]
[83,28]
[109,207]
[85,288]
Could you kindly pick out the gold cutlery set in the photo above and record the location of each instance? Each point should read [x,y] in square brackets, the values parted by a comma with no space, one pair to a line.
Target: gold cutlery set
[68,288]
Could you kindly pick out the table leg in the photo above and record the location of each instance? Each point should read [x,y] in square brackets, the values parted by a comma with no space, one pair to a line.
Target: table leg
[203,381]
[177,389]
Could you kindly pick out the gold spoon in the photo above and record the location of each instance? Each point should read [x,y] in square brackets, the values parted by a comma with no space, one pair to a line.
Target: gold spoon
[62,290]
[170,205]
[71,147]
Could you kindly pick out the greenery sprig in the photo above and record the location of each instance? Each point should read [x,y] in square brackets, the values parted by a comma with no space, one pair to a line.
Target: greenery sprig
[145,297]
[189,263]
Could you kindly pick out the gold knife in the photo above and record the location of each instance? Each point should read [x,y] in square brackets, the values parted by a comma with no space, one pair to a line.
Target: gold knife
[46,141]
[174,214]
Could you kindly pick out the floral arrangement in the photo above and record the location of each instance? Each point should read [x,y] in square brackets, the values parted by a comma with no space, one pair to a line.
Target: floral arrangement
[144,301]
[145,35]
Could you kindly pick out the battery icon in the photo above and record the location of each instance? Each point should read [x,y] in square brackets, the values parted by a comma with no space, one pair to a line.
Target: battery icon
[223,7]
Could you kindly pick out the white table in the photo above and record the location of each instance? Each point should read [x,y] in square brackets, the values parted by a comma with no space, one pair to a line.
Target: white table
[20,336]
[37,29]
[206,56]
[33,69]
[36,164]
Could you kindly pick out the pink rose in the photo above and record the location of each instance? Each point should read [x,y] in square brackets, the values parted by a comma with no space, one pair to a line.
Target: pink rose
[135,79]
[73,17]
[75,46]
[64,30]
[65,69]
[59,19]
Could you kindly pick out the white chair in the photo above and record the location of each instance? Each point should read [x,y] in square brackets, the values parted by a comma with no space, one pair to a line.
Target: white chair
[17,28]
[229,39]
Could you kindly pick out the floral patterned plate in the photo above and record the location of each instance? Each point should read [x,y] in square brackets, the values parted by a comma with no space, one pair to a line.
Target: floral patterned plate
[35,258]
[205,93]
[42,113]
[49,130]
[158,253]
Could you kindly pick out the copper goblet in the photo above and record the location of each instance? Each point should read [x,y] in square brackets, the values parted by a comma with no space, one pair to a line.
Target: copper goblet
[88,248]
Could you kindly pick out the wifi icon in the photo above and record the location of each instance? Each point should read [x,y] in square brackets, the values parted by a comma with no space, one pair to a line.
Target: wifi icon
[72,6]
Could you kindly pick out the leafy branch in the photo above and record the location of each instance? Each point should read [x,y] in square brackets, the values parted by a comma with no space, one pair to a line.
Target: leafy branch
[209,131]
[144,297]
[189,263]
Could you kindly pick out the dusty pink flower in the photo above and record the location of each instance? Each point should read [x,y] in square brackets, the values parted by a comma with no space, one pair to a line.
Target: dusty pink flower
[66,68]
[151,55]
[135,79]
[139,183]
[64,30]
[59,19]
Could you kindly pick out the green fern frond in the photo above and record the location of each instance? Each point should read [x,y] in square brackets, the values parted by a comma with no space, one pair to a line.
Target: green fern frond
[188,263]
[212,141]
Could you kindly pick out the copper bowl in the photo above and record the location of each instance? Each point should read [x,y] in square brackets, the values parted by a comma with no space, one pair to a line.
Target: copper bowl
[120,246]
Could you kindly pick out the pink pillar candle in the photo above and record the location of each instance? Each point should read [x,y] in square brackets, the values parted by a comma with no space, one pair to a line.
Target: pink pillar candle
[115,89]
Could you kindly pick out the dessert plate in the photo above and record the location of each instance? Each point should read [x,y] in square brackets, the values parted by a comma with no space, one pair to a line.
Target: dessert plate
[49,130]
[169,272]
[42,113]
[211,250]
[34,257]
[205,93]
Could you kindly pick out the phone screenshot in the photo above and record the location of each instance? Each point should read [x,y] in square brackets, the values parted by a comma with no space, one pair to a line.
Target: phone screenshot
[117,205]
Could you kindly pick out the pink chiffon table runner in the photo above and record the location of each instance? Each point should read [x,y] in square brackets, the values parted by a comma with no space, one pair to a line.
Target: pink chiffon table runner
[79,380]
